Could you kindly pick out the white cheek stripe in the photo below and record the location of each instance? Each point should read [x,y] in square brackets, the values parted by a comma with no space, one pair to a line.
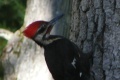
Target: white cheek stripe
[73,63]
[39,38]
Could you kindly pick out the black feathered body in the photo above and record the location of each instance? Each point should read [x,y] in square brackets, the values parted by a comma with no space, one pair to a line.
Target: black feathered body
[64,59]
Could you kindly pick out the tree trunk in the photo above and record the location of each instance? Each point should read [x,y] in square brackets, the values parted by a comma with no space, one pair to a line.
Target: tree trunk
[22,58]
[95,28]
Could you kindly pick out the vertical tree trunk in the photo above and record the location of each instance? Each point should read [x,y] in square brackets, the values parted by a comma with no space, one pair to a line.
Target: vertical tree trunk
[95,27]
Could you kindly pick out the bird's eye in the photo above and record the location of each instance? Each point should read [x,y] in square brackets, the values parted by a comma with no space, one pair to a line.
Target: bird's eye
[42,29]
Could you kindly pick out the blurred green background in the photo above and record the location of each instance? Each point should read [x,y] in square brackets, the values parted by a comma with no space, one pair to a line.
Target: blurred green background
[11,17]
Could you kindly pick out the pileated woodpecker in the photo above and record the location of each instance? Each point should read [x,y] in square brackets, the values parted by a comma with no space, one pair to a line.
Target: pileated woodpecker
[64,59]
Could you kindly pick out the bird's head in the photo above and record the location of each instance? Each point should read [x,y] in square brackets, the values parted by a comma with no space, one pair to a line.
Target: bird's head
[38,30]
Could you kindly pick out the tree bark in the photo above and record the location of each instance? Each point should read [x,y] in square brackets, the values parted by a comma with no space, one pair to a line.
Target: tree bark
[95,27]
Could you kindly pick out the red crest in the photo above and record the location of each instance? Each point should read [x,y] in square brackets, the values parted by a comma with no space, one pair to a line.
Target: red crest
[32,28]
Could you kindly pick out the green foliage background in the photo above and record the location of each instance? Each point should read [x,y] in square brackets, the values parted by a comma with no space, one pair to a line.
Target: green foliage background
[12,14]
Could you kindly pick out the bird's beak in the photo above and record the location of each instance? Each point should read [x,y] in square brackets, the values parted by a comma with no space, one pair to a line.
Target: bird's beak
[52,22]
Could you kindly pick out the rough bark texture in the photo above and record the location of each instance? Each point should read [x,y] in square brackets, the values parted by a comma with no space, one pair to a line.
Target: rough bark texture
[95,27]
[22,58]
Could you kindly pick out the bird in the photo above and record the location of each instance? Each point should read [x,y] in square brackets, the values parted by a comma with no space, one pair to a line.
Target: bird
[64,59]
